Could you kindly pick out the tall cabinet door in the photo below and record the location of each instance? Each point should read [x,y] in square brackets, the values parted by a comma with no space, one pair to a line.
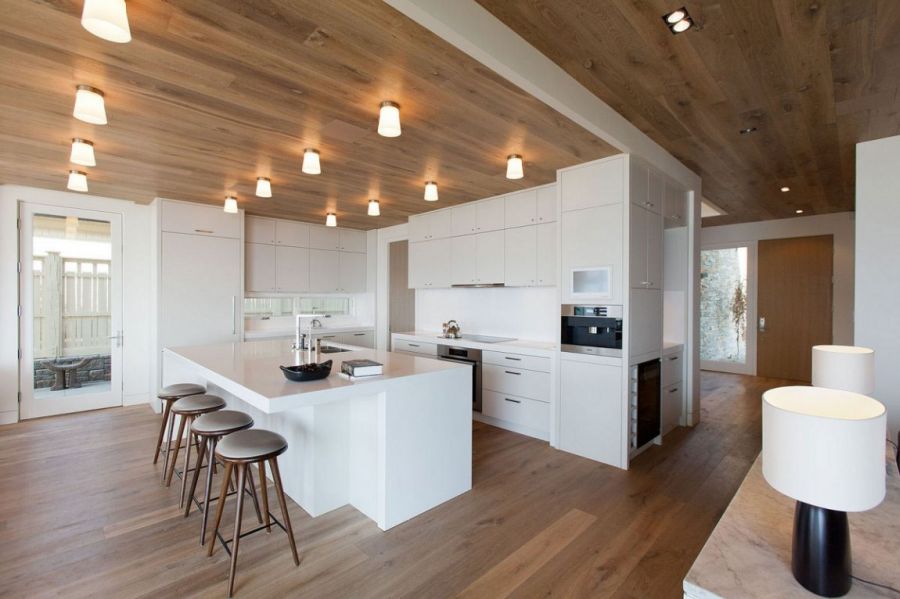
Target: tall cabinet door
[490,261]
[259,267]
[200,289]
[352,272]
[324,271]
[654,232]
[637,255]
[521,256]
[291,269]
[546,254]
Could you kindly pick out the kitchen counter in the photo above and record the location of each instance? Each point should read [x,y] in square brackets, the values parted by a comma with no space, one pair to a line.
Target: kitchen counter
[393,445]
[251,334]
[519,346]
[749,552]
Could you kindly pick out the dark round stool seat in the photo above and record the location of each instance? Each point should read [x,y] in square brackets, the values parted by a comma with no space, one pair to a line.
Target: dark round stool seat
[251,445]
[179,390]
[221,422]
[198,404]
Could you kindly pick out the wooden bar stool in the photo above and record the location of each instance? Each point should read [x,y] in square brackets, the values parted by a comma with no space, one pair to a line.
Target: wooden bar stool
[168,396]
[239,451]
[209,429]
[189,408]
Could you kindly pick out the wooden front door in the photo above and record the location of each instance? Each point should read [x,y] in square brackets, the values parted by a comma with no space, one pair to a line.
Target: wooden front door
[794,301]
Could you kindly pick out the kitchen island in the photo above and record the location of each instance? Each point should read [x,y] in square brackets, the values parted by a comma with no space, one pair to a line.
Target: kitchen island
[392,446]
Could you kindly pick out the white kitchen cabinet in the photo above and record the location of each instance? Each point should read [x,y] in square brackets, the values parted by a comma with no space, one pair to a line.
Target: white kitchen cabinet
[537,363]
[291,269]
[258,229]
[674,206]
[592,238]
[292,233]
[358,338]
[532,415]
[671,406]
[430,264]
[645,249]
[464,260]
[324,271]
[546,254]
[352,240]
[352,277]
[490,214]
[546,204]
[594,184]
[591,410]
[646,186]
[199,219]
[259,267]
[645,325]
[672,368]
[490,260]
[655,192]
[463,219]
[420,348]
[521,208]
[521,256]
[431,225]
[324,238]
[520,382]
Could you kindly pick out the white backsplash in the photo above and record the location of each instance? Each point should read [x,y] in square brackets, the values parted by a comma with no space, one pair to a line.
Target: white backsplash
[521,312]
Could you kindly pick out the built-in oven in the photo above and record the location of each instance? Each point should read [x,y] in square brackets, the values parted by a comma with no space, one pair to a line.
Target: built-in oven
[595,330]
[469,356]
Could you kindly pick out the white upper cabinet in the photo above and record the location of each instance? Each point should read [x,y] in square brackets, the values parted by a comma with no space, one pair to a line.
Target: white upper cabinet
[259,267]
[352,277]
[645,326]
[521,256]
[324,238]
[491,215]
[431,225]
[199,219]
[521,208]
[546,254]
[464,219]
[645,249]
[259,230]
[490,259]
[646,186]
[324,271]
[428,264]
[674,206]
[546,204]
[655,192]
[591,241]
[291,269]
[352,240]
[292,233]
[594,184]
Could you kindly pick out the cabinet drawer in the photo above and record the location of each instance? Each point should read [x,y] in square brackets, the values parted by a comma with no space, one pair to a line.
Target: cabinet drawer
[359,338]
[519,410]
[671,405]
[198,219]
[415,347]
[516,381]
[672,369]
[516,361]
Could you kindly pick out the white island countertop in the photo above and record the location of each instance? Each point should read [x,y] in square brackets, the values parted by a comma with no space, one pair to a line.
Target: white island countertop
[251,371]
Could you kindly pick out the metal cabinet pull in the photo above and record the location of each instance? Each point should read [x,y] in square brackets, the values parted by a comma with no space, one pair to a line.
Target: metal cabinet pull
[413,344]
[673,358]
[675,390]
[513,359]
[511,372]
[203,231]
[512,400]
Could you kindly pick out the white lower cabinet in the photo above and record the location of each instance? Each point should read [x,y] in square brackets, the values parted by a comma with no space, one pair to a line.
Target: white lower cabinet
[516,381]
[671,405]
[591,410]
[516,392]
[414,347]
[532,414]
[358,338]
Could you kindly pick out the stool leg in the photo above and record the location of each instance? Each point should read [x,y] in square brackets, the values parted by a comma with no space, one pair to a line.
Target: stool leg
[220,508]
[265,493]
[162,429]
[201,451]
[177,447]
[253,494]
[276,475]
[171,426]
[187,460]
[209,476]
[236,540]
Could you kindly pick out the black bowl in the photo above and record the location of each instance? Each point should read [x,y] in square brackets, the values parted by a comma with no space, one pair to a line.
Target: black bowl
[307,372]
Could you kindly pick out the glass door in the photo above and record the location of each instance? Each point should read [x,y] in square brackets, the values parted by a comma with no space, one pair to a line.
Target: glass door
[71,310]
[728,308]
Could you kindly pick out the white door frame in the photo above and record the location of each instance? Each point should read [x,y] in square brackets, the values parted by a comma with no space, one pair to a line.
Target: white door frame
[386,237]
[749,367]
[31,408]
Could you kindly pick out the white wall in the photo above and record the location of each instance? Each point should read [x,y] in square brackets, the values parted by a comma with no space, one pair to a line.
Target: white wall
[840,225]
[878,266]
[137,266]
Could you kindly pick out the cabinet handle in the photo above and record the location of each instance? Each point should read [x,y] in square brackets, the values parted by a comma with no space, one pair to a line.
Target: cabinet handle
[233,314]
[511,372]
[358,334]
[413,344]
[513,359]
[512,400]
[208,231]
[672,358]
[674,390]
[651,204]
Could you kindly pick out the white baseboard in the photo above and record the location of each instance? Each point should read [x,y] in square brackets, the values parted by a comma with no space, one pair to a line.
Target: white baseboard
[135,399]
[9,417]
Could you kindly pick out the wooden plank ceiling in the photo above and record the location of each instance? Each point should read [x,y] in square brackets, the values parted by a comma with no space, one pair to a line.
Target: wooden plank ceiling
[211,94]
[813,76]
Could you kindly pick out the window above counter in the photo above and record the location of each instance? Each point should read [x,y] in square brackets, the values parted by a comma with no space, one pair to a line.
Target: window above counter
[263,308]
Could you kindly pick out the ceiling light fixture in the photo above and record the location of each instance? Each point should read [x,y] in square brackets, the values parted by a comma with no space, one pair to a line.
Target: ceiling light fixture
[311,163]
[82,152]
[678,21]
[331,219]
[89,105]
[263,187]
[77,181]
[514,167]
[431,191]
[785,189]
[107,19]
[747,130]
[374,208]
[798,211]
[231,205]
[389,119]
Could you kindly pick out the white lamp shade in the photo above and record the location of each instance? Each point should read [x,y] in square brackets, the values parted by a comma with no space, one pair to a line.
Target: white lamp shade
[389,120]
[77,181]
[431,191]
[107,19]
[331,219]
[82,152]
[263,187]
[824,447]
[374,208]
[514,168]
[844,367]
[89,105]
[311,164]
[231,206]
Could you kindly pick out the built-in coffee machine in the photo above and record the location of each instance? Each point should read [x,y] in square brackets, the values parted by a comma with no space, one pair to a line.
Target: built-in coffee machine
[595,330]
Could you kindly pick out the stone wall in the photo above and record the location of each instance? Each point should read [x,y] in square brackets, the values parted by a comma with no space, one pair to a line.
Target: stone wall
[720,276]
[99,368]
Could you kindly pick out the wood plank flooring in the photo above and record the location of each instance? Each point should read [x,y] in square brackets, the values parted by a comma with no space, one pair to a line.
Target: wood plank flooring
[82,513]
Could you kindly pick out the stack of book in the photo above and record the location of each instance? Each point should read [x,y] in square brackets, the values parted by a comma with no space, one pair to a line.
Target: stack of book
[356,368]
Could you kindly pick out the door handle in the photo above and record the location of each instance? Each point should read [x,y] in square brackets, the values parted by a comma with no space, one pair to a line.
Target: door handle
[762,324]
[118,337]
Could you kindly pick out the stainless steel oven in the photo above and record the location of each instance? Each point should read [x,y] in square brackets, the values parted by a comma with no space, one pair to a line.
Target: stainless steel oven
[595,330]
[470,356]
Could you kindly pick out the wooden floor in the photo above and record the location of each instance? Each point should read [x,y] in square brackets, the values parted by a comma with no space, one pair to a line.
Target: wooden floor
[82,514]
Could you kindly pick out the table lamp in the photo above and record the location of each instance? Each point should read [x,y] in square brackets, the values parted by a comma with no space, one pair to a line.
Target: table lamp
[825,449]
[844,367]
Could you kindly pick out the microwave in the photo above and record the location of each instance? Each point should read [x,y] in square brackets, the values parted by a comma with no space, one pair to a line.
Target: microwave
[593,282]
[595,330]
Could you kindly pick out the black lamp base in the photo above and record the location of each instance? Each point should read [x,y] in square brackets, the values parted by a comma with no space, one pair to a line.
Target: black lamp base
[821,556]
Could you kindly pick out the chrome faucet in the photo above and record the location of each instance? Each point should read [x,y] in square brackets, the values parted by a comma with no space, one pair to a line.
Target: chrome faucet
[304,340]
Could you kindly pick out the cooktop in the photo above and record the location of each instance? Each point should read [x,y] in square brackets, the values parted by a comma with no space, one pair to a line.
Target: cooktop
[482,338]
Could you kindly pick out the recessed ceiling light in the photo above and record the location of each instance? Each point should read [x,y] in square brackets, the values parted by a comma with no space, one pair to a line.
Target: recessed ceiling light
[231,205]
[675,16]
[682,25]
[678,21]
[374,208]
[431,191]
[263,187]
[798,211]
[82,152]
[331,219]
[311,163]
[747,130]
[77,181]
[514,167]
[389,119]
[89,105]
[107,19]
[785,189]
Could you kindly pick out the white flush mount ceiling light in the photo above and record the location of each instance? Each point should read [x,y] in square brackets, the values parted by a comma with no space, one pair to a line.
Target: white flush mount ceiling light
[431,191]
[798,211]
[374,208]
[311,163]
[263,187]
[231,205]
[82,152]
[89,105]
[785,189]
[514,168]
[678,21]
[389,119]
[77,181]
[331,219]
[107,19]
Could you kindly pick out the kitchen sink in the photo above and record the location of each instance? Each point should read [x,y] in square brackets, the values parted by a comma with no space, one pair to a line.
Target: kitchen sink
[332,350]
